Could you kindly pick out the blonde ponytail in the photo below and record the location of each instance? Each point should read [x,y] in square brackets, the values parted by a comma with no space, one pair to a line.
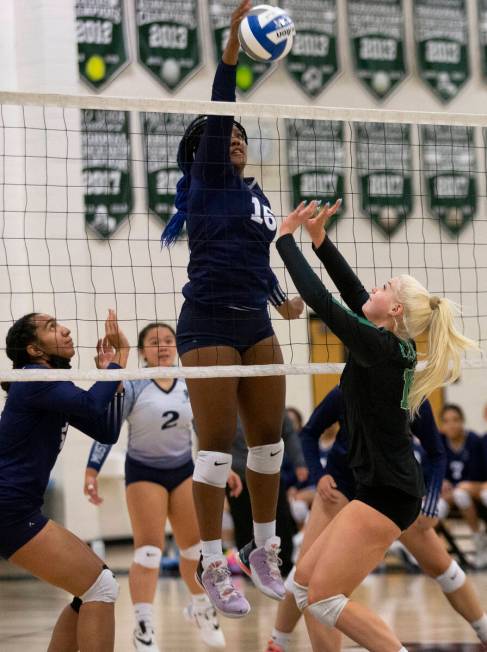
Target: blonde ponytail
[422,312]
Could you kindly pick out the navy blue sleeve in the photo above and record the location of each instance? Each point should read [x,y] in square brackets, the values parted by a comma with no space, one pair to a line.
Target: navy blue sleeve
[347,282]
[104,428]
[98,455]
[367,343]
[423,426]
[324,415]
[475,467]
[212,158]
[277,296]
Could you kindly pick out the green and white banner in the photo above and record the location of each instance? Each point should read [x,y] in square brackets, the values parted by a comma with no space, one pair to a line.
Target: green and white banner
[316,161]
[449,164]
[168,41]
[162,135]
[250,73]
[482,14]
[384,168]
[377,41]
[102,50]
[313,61]
[441,33]
[107,181]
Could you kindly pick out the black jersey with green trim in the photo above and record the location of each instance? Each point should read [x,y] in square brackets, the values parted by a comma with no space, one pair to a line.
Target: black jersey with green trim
[377,376]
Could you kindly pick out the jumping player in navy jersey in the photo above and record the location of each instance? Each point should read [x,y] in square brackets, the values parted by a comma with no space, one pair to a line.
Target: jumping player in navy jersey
[336,487]
[33,429]
[381,389]
[225,321]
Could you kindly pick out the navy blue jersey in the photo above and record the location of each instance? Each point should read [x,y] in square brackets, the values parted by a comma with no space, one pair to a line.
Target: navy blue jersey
[466,463]
[33,427]
[230,224]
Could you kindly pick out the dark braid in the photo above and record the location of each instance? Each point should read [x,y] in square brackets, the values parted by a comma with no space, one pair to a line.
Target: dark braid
[146,329]
[20,335]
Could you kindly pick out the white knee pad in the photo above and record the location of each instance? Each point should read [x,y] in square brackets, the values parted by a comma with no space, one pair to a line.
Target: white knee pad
[289,581]
[443,508]
[300,595]
[452,579]
[327,611]
[266,459]
[105,588]
[192,553]
[462,498]
[148,556]
[212,467]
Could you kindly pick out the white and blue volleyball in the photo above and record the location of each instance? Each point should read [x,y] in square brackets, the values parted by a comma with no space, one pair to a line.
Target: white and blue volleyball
[266,33]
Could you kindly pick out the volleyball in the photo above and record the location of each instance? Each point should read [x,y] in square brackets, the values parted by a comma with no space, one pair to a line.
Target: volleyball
[266,33]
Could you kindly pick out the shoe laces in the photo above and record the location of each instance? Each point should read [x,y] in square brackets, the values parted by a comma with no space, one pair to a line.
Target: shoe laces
[273,561]
[221,577]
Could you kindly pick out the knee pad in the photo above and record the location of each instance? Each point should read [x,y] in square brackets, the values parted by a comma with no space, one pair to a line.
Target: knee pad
[289,581]
[443,508]
[462,499]
[300,595]
[192,553]
[452,579]
[266,459]
[212,467]
[105,588]
[148,556]
[327,611]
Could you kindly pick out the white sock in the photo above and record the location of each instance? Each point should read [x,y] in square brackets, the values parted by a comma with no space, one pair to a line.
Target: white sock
[281,638]
[403,649]
[480,628]
[210,549]
[263,531]
[143,611]
[200,600]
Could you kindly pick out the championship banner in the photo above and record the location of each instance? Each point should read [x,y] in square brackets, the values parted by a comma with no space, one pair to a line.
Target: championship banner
[482,13]
[384,168]
[250,73]
[449,164]
[162,135]
[168,42]
[102,53]
[107,184]
[312,62]
[316,161]
[377,42]
[441,33]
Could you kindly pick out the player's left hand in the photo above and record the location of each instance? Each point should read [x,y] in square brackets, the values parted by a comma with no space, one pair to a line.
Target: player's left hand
[234,484]
[105,353]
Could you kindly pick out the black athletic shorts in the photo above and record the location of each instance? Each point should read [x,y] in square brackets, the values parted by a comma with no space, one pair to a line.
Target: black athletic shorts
[17,530]
[202,325]
[402,508]
[167,478]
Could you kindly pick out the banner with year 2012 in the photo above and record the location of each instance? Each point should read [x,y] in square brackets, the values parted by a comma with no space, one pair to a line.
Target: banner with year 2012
[377,40]
[316,161]
[105,148]
[168,40]
[162,135]
[441,33]
[100,31]
[313,60]
[449,164]
[384,169]
[250,73]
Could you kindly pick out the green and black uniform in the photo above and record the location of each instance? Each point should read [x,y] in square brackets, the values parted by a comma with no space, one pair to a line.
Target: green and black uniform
[375,385]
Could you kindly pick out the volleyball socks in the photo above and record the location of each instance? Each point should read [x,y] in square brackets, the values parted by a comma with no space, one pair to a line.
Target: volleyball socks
[263,532]
[480,628]
[281,638]
[144,612]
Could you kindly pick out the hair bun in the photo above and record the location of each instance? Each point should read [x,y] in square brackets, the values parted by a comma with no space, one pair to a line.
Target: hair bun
[434,302]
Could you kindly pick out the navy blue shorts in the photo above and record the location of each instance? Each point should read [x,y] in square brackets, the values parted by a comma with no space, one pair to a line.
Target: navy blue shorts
[343,476]
[167,478]
[202,325]
[15,533]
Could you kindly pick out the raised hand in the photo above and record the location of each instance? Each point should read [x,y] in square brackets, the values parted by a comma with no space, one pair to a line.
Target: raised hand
[116,340]
[312,217]
[316,226]
[230,54]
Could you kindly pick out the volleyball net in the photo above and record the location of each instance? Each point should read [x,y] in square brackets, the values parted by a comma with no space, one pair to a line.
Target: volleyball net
[88,183]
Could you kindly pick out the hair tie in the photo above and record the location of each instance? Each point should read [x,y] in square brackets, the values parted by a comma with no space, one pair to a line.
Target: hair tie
[434,302]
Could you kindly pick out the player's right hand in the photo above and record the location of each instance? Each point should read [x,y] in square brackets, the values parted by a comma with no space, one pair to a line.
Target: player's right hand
[327,489]
[316,225]
[91,487]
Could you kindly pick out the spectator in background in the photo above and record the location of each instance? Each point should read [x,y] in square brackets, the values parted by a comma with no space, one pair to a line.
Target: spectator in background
[240,507]
[462,485]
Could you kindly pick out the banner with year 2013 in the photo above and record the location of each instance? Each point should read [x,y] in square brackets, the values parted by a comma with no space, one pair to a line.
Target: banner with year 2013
[250,73]
[384,169]
[313,60]
[105,148]
[316,161]
[377,40]
[441,33]
[168,40]
[449,164]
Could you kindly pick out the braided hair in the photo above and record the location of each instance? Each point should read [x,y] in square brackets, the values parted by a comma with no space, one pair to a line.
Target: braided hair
[22,333]
[186,154]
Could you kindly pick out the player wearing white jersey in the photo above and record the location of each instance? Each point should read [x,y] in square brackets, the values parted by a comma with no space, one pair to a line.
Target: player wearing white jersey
[158,471]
